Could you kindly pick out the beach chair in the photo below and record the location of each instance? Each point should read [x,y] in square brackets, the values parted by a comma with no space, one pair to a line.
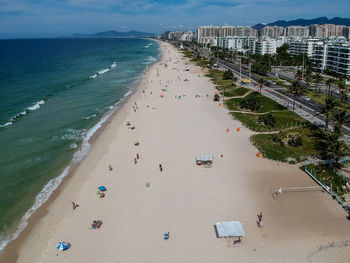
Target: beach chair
[166,236]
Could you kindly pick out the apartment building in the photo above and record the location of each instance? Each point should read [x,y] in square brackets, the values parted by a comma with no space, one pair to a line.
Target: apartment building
[263,46]
[346,32]
[187,36]
[297,31]
[302,46]
[272,31]
[334,57]
[204,33]
[235,43]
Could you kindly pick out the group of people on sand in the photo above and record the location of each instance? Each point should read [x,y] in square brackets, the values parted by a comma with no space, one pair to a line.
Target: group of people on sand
[96,224]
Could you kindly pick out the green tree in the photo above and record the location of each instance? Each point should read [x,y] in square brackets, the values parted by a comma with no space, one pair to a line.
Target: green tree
[329,82]
[261,84]
[227,74]
[327,110]
[318,79]
[296,90]
[335,149]
[342,89]
[339,118]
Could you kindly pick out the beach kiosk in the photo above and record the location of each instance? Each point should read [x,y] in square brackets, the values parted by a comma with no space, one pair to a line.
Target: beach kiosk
[231,229]
[204,159]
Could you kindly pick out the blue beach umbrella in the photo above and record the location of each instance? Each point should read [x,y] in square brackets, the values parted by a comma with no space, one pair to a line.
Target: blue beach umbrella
[62,246]
[102,188]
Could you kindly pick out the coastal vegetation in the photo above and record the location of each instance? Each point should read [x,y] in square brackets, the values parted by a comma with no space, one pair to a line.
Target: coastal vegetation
[281,134]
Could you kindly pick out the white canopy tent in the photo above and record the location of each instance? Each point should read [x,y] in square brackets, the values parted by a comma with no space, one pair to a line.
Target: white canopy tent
[204,159]
[230,229]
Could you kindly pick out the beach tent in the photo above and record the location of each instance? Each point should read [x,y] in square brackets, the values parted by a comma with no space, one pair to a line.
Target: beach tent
[102,188]
[206,159]
[230,229]
[62,246]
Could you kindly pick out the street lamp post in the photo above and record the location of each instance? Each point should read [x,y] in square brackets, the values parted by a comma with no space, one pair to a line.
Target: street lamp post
[240,65]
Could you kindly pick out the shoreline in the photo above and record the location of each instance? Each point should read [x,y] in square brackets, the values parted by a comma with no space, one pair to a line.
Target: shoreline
[183,199]
[8,254]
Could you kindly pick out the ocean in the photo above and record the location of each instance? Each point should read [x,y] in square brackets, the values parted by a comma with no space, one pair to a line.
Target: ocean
[54,94]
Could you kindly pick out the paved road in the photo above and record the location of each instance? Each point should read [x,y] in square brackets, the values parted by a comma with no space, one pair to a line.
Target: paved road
[306,109]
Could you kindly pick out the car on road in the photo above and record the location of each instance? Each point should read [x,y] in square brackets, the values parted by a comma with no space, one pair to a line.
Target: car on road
[306,98]
[318,124]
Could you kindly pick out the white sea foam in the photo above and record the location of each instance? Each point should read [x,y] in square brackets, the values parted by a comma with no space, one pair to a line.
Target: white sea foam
[40,199]
[51,186]
[23,113]
[93,76]
[114,64]
[73,146]
[148,45]
[6,124]
[36,105]
[103,71]
[127,94]
[90,117]
[150,60]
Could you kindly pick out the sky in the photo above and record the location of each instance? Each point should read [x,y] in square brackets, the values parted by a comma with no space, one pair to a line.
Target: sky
[54,18]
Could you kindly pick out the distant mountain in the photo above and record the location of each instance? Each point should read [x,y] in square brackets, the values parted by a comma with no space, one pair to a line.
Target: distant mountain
[259,26]
[307,22]
[115,34]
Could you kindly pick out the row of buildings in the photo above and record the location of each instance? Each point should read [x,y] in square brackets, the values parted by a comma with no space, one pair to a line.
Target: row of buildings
[205,33]
[312,31]
[328,46]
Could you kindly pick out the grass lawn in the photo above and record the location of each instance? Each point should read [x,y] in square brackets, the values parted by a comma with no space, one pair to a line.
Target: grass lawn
[200,62]
[235,92]
[285,119]
[267,104]
[321,97]
[276,150]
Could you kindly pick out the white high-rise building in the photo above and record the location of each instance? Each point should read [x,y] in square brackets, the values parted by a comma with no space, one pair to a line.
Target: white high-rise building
[263,46]
[334,57]
[302,46]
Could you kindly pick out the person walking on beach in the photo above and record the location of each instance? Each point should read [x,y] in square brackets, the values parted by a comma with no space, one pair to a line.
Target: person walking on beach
[137,156]
[260,219]
[135,160]
[110,167]
[75,205]
[160,168]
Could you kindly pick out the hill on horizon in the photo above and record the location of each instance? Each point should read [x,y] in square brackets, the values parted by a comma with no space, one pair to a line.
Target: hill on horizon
[115,34]
[307,22]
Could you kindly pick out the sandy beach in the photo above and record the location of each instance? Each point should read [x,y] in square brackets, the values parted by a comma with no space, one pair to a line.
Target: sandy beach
[184,199]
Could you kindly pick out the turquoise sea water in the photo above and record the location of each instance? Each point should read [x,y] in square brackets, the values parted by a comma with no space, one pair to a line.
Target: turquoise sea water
[54,94]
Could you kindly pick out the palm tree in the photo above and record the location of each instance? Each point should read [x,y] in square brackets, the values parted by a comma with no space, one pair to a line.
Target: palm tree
[328,83]
[299,75]
[261,84]
[339,118]
[297,90]
[318,78]
[342,89]
[335,149]
[327,109]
